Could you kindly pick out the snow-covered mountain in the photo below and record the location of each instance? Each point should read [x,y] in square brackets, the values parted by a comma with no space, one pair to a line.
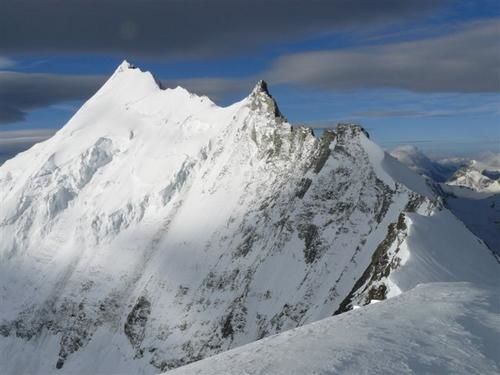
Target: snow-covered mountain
[475,176]
[480,213]
[417,161]
[156,229]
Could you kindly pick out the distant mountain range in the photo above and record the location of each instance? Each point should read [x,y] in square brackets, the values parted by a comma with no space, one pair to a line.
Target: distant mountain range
[478,175]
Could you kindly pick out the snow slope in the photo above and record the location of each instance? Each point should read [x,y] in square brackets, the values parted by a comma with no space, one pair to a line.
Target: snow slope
[437,328]
[479,211]
[156,229]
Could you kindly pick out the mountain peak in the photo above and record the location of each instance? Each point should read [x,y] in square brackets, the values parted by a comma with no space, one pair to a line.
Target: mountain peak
[262,100]
[127,77]
[351,129]
[124,66]
[261,88]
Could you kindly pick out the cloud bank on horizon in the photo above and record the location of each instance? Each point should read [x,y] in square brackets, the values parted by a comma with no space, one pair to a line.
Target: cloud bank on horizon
[52,52]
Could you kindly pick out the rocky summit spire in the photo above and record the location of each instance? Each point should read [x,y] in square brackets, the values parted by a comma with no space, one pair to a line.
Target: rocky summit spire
[261,88]
[262,100]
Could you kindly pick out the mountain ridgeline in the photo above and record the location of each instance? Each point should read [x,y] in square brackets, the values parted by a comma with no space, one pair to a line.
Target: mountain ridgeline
[156,229]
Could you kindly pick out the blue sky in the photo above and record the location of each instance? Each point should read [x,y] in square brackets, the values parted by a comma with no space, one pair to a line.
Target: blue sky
[443,97]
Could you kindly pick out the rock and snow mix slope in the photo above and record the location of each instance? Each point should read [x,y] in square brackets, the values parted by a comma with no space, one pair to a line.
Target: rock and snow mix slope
[156,229]
[439,328]
[474,176]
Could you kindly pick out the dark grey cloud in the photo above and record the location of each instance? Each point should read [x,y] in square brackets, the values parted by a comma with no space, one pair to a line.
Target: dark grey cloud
[13,142]
[185,27]
[464,61]
[23,92]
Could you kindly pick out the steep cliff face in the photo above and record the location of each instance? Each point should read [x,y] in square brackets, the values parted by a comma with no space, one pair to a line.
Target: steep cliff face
[156,229]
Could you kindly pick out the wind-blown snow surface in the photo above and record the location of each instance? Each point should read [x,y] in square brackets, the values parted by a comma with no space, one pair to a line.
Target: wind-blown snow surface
[440,328]
[156,229]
